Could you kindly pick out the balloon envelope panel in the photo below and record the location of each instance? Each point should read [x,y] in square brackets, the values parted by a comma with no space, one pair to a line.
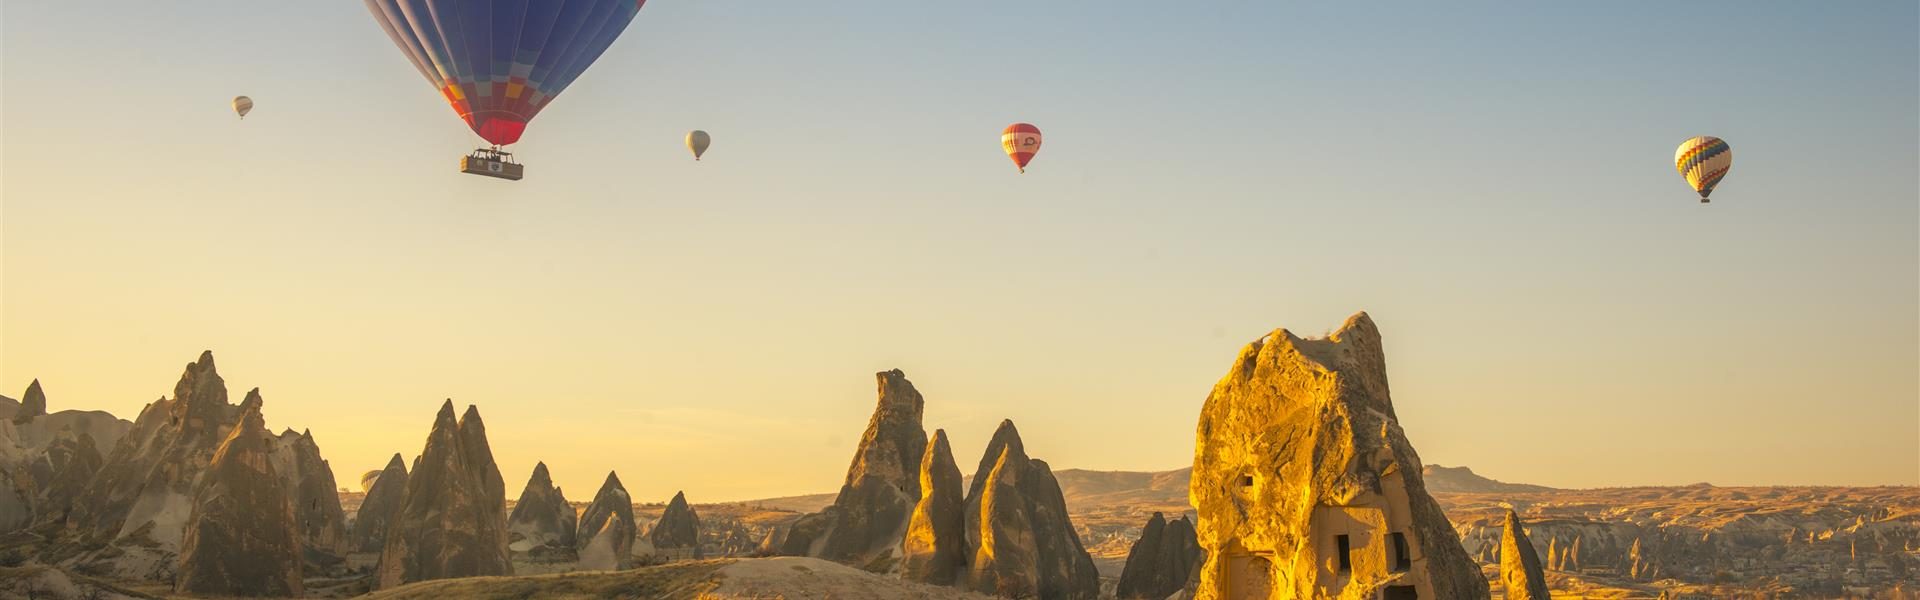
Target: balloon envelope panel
[498,62]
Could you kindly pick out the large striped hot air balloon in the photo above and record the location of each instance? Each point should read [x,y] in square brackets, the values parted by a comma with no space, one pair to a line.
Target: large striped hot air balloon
[498,62]
[1021,141]
[1704,162]
[242,105]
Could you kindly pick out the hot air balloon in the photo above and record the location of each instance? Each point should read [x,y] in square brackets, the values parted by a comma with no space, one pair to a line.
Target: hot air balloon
[499,62]
[1704,162]
[697,141]
[242,105]
[1021,141]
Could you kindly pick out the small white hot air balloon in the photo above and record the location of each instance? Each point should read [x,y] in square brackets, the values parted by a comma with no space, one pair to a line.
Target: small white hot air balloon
[697,141]
[242,105]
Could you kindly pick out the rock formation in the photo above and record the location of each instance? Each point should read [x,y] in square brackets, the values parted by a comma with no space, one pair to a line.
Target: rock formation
[367,479]
[144,491]
[869,517]
[70,478]
[1022,541]
[1520,570]
[1161,561]
[935,550]
[453,520]
[16,481]
[241,537]
[678,528]
[32,404]
[379,507]
[607,528]
[1306,485]
[543,523]
[308,479]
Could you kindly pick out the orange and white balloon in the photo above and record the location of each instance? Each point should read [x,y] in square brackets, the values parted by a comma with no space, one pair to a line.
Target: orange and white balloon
[1021,141]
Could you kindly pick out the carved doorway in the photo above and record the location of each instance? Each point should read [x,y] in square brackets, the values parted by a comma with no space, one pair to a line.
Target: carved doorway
[1249,577]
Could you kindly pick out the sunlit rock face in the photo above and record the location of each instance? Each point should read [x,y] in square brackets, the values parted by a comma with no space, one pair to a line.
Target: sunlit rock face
[1161,561]
[543,523]
[1306,487]
[378,509]
[242,538]
[869,518]
[1520,572]
[1021,539]
[607,528]
[678,527]
[936,542]
[453,522]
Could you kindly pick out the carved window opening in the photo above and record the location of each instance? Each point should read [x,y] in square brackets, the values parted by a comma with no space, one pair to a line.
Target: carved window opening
[1345,552]
[1401,592]
[1402,559]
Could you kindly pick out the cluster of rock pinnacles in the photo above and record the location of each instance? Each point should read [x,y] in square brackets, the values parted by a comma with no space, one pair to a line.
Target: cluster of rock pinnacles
[1304,486]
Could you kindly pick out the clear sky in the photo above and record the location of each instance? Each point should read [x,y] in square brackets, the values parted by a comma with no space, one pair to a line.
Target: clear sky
[1493,183]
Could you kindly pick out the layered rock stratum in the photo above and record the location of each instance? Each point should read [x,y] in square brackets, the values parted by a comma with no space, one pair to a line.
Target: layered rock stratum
[453,521]
[1305,484]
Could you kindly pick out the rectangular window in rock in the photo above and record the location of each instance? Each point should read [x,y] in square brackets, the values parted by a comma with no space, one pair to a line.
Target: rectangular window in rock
[1402,559]
[1345,553]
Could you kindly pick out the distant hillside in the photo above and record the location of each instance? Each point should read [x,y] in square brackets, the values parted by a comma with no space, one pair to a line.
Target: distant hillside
[1462,480]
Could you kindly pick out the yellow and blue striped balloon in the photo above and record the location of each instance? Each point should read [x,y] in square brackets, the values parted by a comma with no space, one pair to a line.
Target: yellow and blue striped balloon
[1704,162]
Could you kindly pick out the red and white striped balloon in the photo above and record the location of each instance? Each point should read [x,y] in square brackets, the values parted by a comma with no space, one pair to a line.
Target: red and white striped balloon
[1021,141]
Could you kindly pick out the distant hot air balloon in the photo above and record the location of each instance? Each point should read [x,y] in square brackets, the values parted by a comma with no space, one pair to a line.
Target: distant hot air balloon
[1021,141]
[697,141]
[242,105]
[499,62]
[1704,162]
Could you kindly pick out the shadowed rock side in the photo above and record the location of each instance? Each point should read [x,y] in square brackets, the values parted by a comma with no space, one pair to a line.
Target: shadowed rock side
[935,550]
[308,479]
[1306,486]
[1520,571]
[241,538]
[453,520]
[1026,545]
[869,517]
[678,527]
[69,482]
[16,481]
[1161,561]
[607,528]
[145,488]
[32,404]
[543,523]
[379,508]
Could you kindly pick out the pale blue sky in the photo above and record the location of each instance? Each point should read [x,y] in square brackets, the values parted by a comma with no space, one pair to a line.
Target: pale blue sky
[1492,182]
